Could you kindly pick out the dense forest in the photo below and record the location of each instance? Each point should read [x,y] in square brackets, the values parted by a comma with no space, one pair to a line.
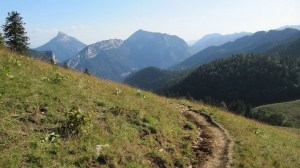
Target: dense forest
[244,81]
[155,79]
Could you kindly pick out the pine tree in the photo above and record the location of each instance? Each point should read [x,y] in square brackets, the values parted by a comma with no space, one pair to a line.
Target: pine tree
[14,33]
[86,71]
[1,40]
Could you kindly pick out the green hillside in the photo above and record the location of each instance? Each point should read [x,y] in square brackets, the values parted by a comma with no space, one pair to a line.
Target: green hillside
[155,79]
[51,116]
[257,144]
[55,117]
[244,81]
[290,109]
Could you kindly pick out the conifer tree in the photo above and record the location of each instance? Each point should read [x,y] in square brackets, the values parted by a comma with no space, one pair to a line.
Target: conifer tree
[14,33]
[86,71]
[1,40]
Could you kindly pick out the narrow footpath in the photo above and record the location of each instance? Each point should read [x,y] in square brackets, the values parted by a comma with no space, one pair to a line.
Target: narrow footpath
[213,145]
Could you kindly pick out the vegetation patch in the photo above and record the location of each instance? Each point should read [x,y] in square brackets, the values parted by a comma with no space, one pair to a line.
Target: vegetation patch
[56,117]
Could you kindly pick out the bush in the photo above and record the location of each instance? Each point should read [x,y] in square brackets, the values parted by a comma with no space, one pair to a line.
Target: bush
[75,121]
[59,77]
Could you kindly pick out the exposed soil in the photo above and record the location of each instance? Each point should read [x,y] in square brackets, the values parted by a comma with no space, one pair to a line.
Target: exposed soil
[213,146]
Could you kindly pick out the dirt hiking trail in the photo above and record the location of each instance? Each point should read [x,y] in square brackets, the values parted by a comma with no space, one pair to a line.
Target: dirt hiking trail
[213,145]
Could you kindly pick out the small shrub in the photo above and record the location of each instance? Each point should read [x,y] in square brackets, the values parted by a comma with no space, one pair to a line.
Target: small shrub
[118,91]
[15,61]
[100,103]
[75,121]
[117,110]
[141,94]
[5,71]
[33,160]
[1,94]
[189,126]
[52,137]
[87,72]
[54,149]
[66,66]
[257,131]
[158,159]
[33,145]
[59,77]
[204,110]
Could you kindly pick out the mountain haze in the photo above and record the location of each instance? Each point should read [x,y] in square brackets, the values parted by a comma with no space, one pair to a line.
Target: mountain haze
[259,42]
[215,39]
[156,49]
[116,59]
[63,46]
[289,26]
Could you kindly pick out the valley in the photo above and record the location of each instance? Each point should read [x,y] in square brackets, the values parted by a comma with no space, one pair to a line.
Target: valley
[140,129]
[150,84]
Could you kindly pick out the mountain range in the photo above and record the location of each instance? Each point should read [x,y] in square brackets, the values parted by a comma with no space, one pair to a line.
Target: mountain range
[116,59]
[215,39]
[256,43]
[55,117]
[284,42]
[104,59]
[63,46]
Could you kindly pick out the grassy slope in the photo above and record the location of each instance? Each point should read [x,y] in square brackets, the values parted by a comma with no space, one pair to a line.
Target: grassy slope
[257,144]
[291,109]
[119,116]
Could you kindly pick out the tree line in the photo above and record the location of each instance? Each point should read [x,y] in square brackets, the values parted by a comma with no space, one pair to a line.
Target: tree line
[244,81]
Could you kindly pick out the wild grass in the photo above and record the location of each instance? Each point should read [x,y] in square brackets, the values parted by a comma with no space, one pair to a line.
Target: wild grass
[290,109]
[256,144]
[54,117]
[40,128]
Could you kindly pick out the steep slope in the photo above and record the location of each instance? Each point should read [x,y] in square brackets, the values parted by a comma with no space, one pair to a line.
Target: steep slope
[104,59]
[51,116]
[290,48]
[243,80]
[115,59]
[257,43]
[215,39]
[288,109]
[256,144]
[63,46]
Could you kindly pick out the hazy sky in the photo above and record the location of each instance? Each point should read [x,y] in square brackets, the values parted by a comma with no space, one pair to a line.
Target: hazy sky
[95,20]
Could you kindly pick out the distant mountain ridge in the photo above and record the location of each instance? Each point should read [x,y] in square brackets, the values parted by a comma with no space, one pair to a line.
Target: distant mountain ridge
[104,59]
[63,46]
[257,43]
[215,39]
[93,50]
[156,49]
[116,59]
[287,47]
[290,27]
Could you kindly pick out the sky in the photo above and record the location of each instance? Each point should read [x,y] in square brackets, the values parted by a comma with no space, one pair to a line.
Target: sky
[91,21]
